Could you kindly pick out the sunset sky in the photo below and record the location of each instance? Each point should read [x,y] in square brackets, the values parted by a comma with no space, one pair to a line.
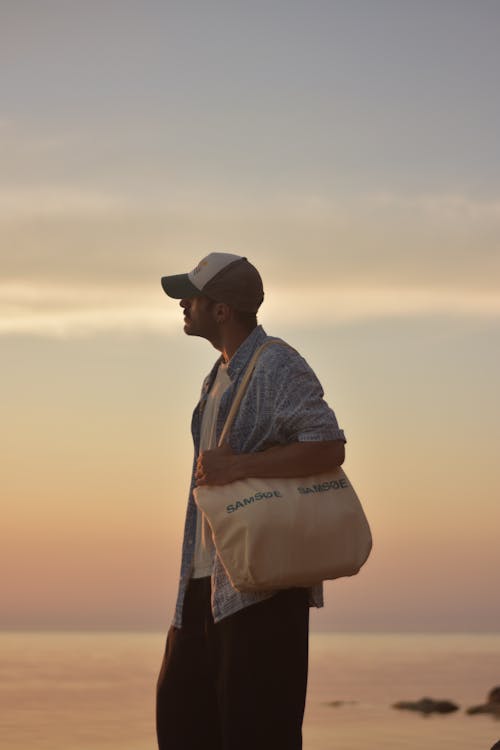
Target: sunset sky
[351,151]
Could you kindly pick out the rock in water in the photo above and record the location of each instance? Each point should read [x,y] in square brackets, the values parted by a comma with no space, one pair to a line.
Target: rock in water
[492,705]
[428,706]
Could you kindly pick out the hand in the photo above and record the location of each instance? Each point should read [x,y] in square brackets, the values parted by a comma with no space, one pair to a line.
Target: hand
[217,466]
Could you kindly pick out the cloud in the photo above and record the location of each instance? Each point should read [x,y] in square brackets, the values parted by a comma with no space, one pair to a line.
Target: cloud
[74,323]
[52,202]
[63,311]
[124,235]
[56,311]
[448,205]
[213,202]
[344,304]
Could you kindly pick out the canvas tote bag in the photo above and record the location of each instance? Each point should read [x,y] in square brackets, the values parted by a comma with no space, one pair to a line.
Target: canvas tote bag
[284,532]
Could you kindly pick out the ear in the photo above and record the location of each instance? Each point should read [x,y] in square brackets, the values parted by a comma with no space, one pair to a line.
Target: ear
[222,312]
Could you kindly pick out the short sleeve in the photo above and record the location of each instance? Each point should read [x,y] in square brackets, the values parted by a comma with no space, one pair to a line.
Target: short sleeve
[302,413]
[300,410]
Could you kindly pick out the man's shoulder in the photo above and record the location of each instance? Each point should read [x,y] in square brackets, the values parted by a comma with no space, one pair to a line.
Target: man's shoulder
[282,373]
[279,353]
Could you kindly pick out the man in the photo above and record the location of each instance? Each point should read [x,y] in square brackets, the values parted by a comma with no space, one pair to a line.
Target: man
[234,672]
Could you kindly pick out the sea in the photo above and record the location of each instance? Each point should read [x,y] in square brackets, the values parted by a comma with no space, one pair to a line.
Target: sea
[95,691]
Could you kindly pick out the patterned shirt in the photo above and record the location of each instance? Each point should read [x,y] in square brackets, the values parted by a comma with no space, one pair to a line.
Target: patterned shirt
[283,404]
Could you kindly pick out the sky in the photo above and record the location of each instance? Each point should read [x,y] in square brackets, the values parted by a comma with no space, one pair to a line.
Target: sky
[350,150]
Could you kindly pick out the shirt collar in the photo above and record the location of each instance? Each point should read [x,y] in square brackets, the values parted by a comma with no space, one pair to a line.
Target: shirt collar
[242,355]
[239,360]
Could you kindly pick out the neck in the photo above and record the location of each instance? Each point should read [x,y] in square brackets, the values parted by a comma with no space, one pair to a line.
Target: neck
[230,341]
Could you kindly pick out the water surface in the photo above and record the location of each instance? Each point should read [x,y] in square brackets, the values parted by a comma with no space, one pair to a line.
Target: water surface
[95,691]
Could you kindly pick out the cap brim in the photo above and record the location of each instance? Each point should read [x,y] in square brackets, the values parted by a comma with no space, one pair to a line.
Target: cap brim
[179,287]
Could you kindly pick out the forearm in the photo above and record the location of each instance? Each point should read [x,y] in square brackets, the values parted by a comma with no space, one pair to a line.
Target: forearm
[292,460]
[221,466]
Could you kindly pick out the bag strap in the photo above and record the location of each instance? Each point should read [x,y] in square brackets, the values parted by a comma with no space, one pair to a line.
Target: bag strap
[243,386]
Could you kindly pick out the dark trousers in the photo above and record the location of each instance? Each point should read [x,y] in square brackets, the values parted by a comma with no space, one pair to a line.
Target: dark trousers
[239,684]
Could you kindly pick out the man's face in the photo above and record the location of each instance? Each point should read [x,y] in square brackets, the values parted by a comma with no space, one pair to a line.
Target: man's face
[199,317]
